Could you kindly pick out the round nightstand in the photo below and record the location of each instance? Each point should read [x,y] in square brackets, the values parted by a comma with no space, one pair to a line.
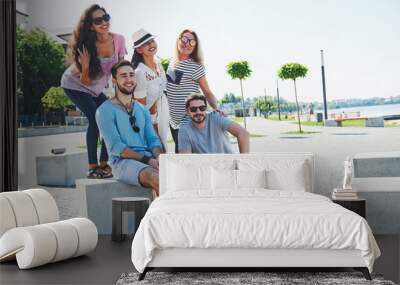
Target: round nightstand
[138,205]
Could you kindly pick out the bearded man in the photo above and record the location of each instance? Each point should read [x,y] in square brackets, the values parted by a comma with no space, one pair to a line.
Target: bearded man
[128,132]
[208,132]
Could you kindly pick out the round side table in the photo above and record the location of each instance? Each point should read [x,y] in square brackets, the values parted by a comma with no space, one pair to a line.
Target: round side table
[138,205]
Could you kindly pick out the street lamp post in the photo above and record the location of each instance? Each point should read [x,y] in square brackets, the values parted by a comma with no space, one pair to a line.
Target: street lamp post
[277,95]
[323,85]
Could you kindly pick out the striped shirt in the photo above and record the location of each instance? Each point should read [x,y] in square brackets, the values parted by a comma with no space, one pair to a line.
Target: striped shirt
[183,79]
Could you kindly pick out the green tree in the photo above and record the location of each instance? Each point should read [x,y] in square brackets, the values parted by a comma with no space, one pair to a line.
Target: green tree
[55,98]
[165,63]
[264,105]
[40,64]
[230,98]
[293,71]
[240,70]
[225,99]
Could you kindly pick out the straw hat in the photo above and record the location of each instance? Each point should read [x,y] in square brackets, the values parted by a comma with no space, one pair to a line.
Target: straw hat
[141,37]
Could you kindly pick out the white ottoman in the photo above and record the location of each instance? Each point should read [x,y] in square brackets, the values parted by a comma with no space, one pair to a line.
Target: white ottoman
[31,233]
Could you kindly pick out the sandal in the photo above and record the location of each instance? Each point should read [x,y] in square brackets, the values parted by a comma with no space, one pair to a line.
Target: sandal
[94,173]
[107,171]
[98,173]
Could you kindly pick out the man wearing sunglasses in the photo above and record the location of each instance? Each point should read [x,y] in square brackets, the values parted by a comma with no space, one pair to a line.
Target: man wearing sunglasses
[128,132]
[208,132]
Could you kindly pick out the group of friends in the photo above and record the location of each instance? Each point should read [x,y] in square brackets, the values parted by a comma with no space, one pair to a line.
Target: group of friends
[148,102]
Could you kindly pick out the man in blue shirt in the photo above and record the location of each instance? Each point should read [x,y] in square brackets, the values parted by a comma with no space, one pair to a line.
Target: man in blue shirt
[127,130]
[208,132]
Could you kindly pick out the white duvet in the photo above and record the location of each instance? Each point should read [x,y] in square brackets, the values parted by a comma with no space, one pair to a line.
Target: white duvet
[250,219]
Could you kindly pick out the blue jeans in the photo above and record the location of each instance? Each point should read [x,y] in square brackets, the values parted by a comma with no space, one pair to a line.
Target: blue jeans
[88,105]
[174,133]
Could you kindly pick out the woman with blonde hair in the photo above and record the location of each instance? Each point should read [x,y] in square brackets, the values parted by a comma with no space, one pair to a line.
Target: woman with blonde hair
[186,75]
[92,51]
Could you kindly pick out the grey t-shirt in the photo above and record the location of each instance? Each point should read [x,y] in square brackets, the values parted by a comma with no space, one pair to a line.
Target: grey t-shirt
[213,138]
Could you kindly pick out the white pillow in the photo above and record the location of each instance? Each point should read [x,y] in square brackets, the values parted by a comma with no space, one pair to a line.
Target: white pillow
[223,179]
[288,177]
[226,179]
[282,174]
[188,177]
[251,178]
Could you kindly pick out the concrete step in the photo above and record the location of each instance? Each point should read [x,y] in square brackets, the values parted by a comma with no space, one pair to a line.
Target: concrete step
[97,194]
[67,199]
[61,170]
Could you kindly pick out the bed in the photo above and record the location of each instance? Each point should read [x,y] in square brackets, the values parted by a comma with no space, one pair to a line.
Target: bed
[252,210]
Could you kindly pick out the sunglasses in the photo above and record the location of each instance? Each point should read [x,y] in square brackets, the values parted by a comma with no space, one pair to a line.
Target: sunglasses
[99,20]
[132,120]
[201,108]
[187,41]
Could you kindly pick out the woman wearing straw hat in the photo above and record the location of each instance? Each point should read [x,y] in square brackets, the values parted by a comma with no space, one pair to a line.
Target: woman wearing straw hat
[92,51]
[151,81]
[186,75]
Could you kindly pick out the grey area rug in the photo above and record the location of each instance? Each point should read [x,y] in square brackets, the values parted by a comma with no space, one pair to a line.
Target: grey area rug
[269,278]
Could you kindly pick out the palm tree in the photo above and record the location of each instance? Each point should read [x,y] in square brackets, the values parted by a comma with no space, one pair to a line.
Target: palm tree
[241,70]
[293,71]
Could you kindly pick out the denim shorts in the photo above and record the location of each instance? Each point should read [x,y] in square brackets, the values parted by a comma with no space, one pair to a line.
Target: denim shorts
[127,170]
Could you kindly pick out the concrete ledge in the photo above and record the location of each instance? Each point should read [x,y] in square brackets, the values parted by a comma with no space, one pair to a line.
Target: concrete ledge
[47,131]
[332,123]
[383,211]
[61,170]
[96,196]
[377,165]
[73,120]
[375,122]
[376,184]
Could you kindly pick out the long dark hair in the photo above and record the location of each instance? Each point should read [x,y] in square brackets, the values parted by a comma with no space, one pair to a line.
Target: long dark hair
[84,36]
[196,54]
[136,59]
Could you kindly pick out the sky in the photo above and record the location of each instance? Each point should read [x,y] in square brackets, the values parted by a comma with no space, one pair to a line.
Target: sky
[360,39]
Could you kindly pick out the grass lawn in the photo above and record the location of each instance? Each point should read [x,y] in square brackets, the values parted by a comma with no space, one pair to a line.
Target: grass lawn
[272,117]
[256,136]
[310,123]
[349,123]
[302,133]
[276,118]
[354,123]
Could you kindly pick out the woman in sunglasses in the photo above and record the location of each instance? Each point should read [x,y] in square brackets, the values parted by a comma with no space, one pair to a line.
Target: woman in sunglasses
[151,82]
[186,75]
[92,51]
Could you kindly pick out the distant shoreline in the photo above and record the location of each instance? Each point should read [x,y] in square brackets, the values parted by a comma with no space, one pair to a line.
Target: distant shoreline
[368,110]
